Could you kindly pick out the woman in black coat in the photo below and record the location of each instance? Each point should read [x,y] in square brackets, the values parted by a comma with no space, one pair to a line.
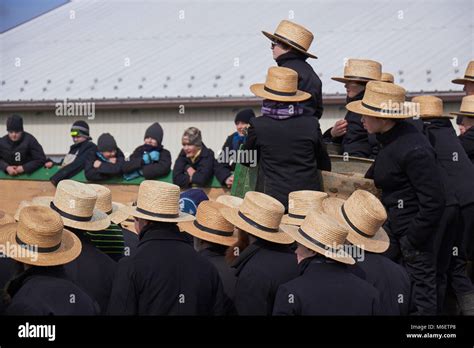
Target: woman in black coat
[288,144]
[149,160]
[412,190]
[195,163]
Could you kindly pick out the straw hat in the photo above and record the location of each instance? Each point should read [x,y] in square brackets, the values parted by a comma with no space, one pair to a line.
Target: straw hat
[430,106]
[158,201]
[104,204]
[281,85]
[75,202]
[293,35]
[259,215]
[300,203]
[468,75]
[360,70]
[319,233]
[39,238]
[467,107]
[21,205]
[5,218]
[210,225]
[382,99]
[363,215]
[230,201]
[387,77]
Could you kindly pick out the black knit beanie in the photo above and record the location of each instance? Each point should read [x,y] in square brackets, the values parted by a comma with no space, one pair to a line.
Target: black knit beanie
[244,116]
[81,127]
[155,131]
[14,123]
[106,142]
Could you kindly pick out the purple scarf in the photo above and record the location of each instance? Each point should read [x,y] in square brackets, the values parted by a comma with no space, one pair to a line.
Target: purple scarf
[281,110]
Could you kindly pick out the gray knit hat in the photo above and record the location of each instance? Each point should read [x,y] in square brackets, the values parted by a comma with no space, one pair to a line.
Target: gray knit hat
[193,135]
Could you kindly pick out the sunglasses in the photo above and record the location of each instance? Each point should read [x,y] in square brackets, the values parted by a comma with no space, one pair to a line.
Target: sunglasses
[74,134]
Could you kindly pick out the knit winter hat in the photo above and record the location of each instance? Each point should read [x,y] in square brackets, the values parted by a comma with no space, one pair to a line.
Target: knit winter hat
[81,128]
[106,142]
[244,116]
[15,123]
[193,136]
[155,132]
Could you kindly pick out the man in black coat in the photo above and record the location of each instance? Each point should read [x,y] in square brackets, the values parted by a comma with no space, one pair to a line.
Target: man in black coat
[195,163]
[290,44]
[165,276]
[20,152]
[107,162]
[41,286]
[325,285]
[467,114]
[73,163]
[149,160]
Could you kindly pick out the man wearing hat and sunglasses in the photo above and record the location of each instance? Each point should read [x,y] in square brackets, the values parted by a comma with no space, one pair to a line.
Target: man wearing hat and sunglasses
[20,152]
[165,275]
[290,44]
[41,247]
[75,160]
[468,87]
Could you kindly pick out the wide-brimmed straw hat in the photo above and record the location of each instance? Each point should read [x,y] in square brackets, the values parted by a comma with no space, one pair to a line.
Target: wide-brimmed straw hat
[300,203]
[259,215]
[39,238]
[320,233]
[387,77]
[360,70]
[230,201]
[467,107]
[5,218]
[384,100]
[281,85]
[363,215]
[429,106]
[158,201]
[468,75]
[75,202]
[210,225]
[106,205]
[293,35]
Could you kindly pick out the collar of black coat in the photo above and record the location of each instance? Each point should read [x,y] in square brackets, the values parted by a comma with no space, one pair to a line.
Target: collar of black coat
[15,284]
[252,249]
[156,230]
[205,152]
[309,263]
[292,55]
[400,128]
[84,145]
[438,122]
[214,250]
[469,134]
[15,143]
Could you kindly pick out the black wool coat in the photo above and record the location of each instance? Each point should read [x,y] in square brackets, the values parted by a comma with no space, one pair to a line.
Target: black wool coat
[467,142]
[106,170]
[166,276]
[204,167]
[152,170]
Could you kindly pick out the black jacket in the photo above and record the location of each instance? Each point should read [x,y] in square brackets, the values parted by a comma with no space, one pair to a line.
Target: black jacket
[26,152]
[152,170]
[229,146]
[467,142]
[166,277]
[7,270]
[106,170]
[326,287]
[204,166]
[308,81]
[82,152]
[356,142]
[289,154]
[412,189]
[458,170]
[93,271]
[260,269]
[48,291]
[390,279]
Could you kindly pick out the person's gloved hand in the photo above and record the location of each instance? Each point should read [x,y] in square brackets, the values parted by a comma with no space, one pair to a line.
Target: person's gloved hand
[146,158]
[155,156]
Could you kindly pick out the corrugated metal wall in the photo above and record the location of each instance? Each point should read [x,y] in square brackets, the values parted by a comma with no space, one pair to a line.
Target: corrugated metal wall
[129,127]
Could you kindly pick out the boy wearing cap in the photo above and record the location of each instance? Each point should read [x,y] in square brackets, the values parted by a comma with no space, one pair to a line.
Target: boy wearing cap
[195,163]
[42,287]
[325,285]
[149,160]
[75,160]
[106,162]
[20,152]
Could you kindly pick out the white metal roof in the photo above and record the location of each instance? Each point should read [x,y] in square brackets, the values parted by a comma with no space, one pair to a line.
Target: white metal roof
[210,48]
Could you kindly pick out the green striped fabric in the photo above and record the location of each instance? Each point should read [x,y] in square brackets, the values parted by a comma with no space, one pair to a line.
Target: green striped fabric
[109,241]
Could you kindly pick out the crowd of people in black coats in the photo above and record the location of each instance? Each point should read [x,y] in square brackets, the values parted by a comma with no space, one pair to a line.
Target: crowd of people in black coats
[286,248]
